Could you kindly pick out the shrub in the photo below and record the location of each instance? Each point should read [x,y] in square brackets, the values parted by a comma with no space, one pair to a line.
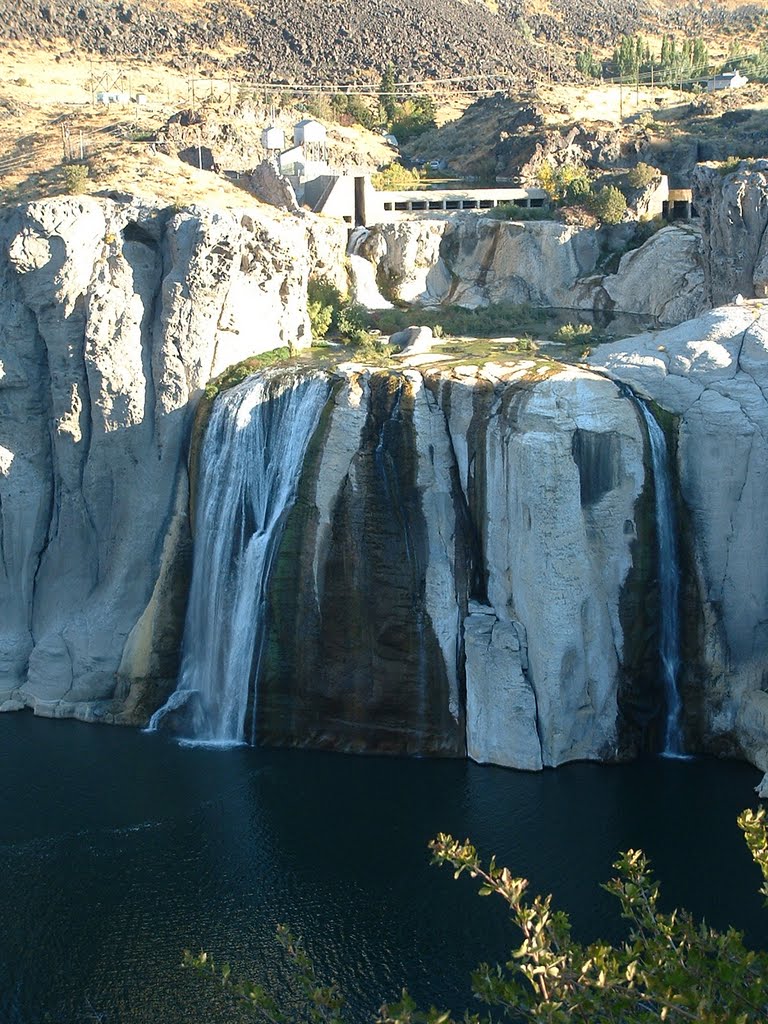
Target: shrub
[323,302]
[395,176]
[577,190]
[351,324]
[557,181]
[570,332]
[75,178]
[641,175]
[608,204]
[237,372]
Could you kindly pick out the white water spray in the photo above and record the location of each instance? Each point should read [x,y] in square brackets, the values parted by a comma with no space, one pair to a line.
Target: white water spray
[250,466]
[669,584]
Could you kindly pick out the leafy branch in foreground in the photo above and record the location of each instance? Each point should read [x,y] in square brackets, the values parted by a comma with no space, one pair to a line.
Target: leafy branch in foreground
[669,969]
[320,1004]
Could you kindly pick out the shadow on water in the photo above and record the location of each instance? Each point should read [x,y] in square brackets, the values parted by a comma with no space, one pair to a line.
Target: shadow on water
[120,849]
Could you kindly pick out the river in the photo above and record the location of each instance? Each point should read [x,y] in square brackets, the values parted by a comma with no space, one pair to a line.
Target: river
[119,849]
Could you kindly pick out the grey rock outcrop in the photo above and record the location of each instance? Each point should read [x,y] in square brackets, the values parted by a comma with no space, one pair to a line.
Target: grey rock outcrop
[734,214]
[663,278]
[115,316]
[273,187]
[428,488]
[474,261]
[711,374]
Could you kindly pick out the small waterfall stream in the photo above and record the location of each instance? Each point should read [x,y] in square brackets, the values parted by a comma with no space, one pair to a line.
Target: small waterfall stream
[362,272]
[250,464]
[669,583]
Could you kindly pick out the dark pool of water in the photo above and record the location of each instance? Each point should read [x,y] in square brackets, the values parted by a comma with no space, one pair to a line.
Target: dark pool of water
[119,849]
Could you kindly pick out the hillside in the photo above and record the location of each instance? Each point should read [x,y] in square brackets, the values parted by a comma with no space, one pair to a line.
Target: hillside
[425,39]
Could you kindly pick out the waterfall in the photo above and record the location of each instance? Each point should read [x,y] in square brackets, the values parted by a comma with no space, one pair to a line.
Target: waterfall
[362,273]
[669,583]
[250,466]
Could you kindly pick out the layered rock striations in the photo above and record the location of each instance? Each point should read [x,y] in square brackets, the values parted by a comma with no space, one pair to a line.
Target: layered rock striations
[115,315]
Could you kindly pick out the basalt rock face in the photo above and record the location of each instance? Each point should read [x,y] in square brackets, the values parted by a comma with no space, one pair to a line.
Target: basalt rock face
[114,317]
[711,374]
[734,213]
[454,568]
[475,261]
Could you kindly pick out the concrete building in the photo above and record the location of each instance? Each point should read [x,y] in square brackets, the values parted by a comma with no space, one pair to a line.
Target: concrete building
[726,80]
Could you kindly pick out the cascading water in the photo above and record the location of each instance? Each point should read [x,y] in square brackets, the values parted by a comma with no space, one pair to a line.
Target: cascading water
[251,461]
[365,289]
[669,583]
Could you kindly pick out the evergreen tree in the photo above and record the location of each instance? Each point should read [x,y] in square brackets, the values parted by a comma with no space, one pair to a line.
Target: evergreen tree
[387,93]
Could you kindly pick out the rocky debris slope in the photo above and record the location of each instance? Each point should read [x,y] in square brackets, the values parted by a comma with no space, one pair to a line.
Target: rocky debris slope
[473,261]
[711,376]
[116,315]
[423,38]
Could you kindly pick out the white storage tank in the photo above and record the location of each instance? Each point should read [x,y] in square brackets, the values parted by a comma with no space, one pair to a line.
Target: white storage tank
[273,138]
[309,131]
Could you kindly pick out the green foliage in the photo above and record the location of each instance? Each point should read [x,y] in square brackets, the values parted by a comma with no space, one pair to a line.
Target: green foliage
[237,373]
[730,165]
[413,118]
[75,178]
[495,320]
[588,64]
[668,969]
[577,190]
[556,181]
[633,60]
[754,65]
[641,175]
[571,332]
[395,176]
[351,323]
[387,96]
[608,204]
[323,302]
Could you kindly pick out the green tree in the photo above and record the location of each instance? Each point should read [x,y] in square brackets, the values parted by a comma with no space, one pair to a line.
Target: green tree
[587,63]
[387,96]
[668,969]
[414,117]
[608,204]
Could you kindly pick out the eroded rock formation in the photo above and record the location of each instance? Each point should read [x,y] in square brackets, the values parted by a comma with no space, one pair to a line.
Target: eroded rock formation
[473,261]
[114,317]
[734,213]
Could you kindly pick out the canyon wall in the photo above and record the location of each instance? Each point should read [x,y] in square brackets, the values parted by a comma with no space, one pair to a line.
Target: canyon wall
[473,545]
[473,261]
[711,375]
[115,315]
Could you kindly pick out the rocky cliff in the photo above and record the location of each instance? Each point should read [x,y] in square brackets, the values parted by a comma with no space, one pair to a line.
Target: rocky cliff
[452,575]
[711,375]
[115,314]
[473,545]
[473,261]
[734,213]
